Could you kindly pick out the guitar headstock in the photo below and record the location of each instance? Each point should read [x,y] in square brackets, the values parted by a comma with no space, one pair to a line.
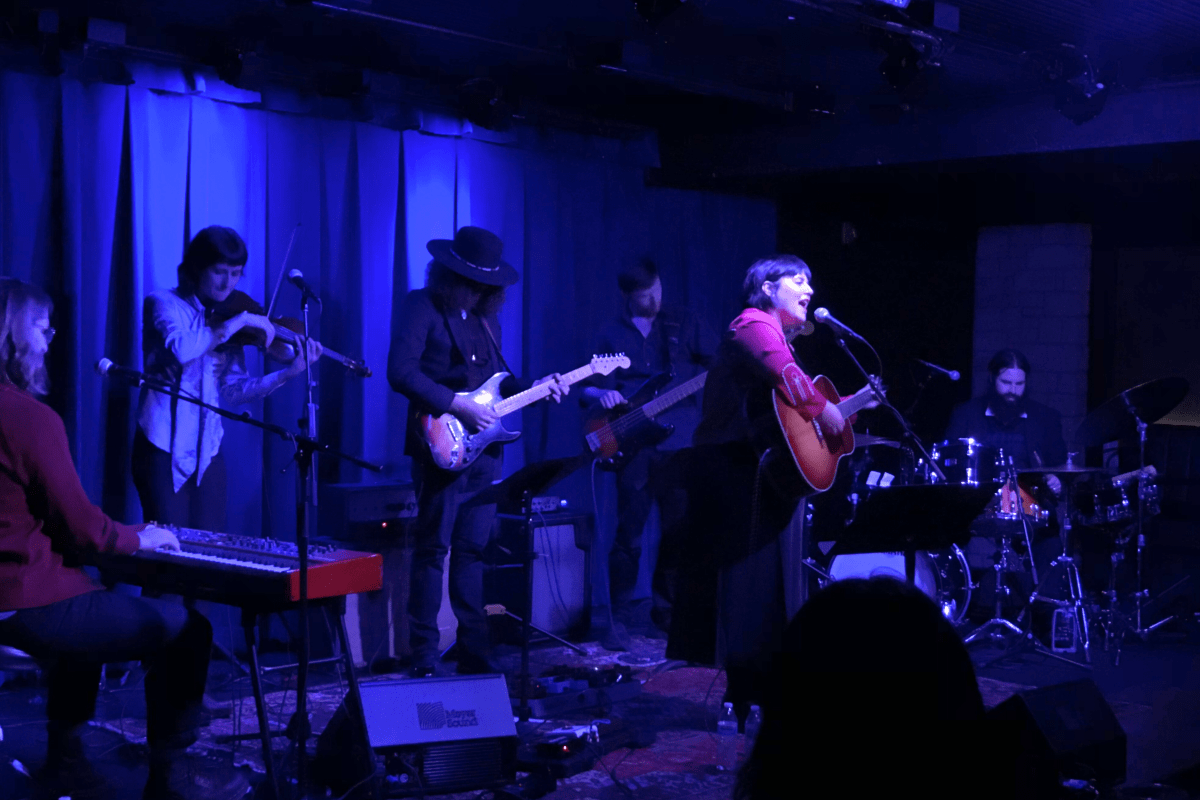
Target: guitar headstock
[606,364]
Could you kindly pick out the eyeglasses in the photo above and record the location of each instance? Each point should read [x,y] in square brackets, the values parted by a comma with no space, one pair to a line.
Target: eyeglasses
[49,334]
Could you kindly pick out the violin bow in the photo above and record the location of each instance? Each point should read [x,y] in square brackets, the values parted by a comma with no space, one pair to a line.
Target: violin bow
[282,270]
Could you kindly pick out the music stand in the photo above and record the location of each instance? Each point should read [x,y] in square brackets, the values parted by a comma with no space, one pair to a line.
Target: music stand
[514,499]
[911,518]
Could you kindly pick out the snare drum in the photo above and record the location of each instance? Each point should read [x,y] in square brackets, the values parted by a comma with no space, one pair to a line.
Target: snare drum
[1005,505]
[943,575]
[967,462]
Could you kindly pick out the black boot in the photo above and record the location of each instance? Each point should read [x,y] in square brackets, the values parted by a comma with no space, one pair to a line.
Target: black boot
[175,775]
[67,771]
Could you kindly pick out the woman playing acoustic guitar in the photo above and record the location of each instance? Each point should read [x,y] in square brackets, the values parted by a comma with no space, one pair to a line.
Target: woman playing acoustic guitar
[735,509]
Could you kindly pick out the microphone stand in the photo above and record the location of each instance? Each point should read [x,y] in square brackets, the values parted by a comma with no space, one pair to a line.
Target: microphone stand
[877,390]
[306,447]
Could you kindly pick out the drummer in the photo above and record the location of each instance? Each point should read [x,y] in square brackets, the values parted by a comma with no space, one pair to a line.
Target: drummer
[1005,418]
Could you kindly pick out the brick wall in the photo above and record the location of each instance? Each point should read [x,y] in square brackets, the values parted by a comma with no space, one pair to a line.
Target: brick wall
[1032,285]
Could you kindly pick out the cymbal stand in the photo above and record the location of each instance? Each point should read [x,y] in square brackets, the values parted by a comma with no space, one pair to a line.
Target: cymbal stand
[1119,624]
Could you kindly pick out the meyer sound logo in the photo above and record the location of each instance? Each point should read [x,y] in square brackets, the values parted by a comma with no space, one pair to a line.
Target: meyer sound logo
[434,716]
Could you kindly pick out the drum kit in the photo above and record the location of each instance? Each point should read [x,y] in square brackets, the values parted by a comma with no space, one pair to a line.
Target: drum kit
[1087,502]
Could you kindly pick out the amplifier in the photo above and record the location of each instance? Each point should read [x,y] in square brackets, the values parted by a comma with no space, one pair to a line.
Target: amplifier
[561,570]
[363,513]
[434,736]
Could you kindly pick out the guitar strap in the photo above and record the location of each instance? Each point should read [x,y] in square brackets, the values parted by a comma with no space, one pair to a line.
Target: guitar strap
[496,346]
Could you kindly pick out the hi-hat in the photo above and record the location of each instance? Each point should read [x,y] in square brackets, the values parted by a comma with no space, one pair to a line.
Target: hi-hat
[1118,417]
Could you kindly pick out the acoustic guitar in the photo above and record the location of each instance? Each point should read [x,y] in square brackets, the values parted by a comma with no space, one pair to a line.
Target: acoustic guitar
[816,453]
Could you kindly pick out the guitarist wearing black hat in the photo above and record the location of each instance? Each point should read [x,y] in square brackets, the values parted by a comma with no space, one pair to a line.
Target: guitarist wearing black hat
[668,351]
[447,341]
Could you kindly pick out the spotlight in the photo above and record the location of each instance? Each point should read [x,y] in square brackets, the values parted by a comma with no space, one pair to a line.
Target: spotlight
[229,66]
[655,11]
[1079,92]
[481,101]
[902,64]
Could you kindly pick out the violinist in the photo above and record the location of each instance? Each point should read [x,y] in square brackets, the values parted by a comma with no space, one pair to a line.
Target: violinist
[191,343]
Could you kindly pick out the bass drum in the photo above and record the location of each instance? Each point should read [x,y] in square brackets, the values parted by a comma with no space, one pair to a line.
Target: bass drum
[941,574]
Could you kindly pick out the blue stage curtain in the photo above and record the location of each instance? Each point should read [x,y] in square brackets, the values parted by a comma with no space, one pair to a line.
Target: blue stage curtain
[102,187]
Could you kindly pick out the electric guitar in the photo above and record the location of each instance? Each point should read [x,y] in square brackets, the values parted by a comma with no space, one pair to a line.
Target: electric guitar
[615,438]
[814,452]
[454,448]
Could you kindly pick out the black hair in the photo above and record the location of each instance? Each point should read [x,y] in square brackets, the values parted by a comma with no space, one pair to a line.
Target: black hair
[214,245]
[1008,359]
[639,276]
[444,283]
[771,268]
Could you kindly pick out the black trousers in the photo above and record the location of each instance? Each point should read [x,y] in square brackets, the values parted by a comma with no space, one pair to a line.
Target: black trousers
[74,637]
[447,522]
[192,506]
[652,477]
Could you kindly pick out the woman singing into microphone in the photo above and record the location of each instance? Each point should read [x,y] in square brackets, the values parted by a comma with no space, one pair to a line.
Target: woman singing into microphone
[735,511]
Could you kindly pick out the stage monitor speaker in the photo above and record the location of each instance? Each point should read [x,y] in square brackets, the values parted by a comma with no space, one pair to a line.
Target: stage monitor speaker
[434,735]
[1064,730]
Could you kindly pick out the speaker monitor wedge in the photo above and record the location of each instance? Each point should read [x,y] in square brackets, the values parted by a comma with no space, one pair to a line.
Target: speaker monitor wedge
[445,734]
[1067,729]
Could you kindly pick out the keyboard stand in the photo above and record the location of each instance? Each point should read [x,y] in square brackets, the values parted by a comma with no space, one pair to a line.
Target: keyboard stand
[335,606]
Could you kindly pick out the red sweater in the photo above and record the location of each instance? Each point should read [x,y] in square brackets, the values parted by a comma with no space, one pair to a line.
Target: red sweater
[760,333]
[44,511]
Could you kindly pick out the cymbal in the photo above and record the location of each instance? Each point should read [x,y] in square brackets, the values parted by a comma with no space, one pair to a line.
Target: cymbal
[1118,417]
[1062,469]
[866,440]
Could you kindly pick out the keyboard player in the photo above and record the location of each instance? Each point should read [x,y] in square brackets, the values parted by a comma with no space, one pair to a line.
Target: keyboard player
[55,612]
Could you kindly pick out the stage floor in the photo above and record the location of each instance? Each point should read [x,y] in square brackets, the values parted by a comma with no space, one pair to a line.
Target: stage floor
[1155,692]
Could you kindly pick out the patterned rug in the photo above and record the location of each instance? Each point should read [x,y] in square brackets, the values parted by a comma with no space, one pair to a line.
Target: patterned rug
[678,703]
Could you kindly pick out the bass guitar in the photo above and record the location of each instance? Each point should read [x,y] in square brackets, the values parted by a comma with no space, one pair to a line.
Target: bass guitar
[814,452]
[454,448]
[615,438]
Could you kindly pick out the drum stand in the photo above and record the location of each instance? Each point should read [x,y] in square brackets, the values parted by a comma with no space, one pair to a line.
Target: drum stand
[997,628]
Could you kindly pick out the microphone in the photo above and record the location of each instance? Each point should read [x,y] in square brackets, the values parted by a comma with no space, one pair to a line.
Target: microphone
[822,315]
[296,278]
[952,374]
[108,369]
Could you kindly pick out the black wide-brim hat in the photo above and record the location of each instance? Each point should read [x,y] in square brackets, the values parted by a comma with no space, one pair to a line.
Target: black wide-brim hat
[474,253]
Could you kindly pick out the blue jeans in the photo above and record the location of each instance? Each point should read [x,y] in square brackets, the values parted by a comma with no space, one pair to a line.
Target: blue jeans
[444,524]
[74,637]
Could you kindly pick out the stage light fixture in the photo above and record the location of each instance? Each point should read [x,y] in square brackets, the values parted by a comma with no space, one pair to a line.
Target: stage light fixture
[655,11]
[481,101]
[1079,91]
[895,3]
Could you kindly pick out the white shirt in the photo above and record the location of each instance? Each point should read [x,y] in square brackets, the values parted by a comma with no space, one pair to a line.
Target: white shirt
[177,348]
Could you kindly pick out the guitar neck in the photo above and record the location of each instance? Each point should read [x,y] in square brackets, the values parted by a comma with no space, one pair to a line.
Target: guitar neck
[856,403]
[665,401]
[521,399]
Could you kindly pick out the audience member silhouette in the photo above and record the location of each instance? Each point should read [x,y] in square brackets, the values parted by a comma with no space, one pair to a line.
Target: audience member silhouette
[874,695]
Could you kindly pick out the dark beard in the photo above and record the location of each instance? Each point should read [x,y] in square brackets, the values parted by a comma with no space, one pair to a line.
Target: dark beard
[1005,412]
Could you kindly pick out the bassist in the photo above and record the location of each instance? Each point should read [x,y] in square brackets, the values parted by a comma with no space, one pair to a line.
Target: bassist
[670,346]
[447,340]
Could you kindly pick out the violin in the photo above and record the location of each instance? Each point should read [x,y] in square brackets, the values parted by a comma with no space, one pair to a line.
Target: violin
[287,329]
